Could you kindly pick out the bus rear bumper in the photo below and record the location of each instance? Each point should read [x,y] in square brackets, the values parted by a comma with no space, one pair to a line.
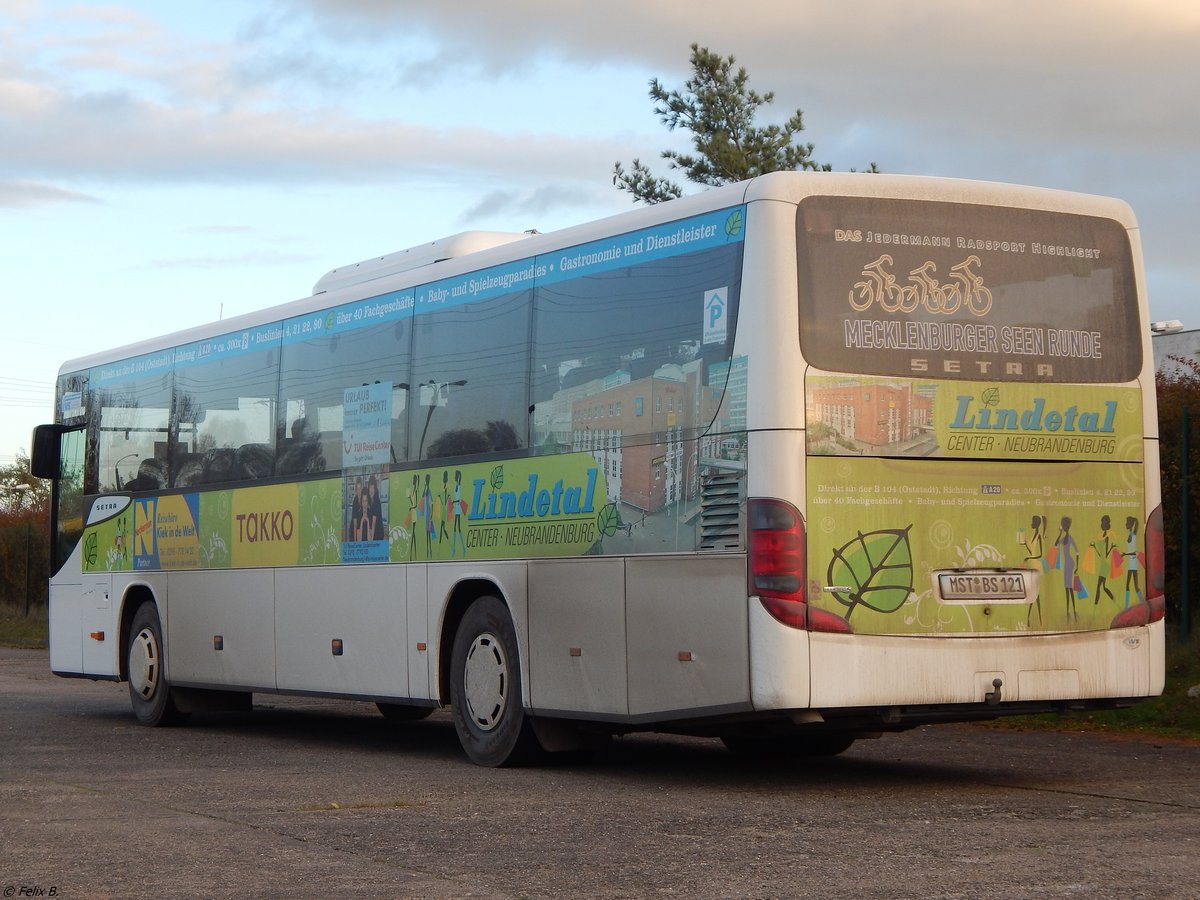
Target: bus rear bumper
[994,672]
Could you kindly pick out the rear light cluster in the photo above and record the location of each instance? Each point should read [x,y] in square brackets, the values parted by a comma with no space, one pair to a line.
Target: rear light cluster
[777,567]
[777,559]
[1155,574]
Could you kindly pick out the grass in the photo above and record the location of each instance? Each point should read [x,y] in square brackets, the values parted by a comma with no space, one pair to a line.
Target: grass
[30,632]
[1173,715]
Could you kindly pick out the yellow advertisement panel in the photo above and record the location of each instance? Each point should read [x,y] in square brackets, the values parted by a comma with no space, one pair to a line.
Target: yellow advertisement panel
[903,546]
[862,415]
[264,530]
[176,532]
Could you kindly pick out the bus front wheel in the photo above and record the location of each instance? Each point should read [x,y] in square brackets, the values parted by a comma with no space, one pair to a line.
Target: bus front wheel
[149,692]
[485,687]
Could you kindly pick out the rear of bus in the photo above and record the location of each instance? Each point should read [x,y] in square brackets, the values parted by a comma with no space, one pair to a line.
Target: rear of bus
[979,508]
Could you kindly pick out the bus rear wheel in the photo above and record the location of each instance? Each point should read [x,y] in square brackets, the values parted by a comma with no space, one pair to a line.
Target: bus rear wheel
[485,687]
[149,692]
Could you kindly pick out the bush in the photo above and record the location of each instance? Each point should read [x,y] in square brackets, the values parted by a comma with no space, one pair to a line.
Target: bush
[24,560]
[1179,408]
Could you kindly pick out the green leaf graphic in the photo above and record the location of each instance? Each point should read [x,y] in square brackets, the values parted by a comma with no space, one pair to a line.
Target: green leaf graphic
[990,397]
[607,519]
[733,225]
[873,570]
[89,550]
[497,478]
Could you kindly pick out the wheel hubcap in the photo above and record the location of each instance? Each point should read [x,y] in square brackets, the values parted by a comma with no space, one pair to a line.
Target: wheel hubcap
[485,682]
[144,664]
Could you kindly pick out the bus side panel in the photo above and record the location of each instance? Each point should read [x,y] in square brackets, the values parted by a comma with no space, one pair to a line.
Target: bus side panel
[66,628]
[342,630]
[850,670]
[65,617]
[689,645]
[779,662]
[577,636]
[98,631]
[221,628]
[420,634]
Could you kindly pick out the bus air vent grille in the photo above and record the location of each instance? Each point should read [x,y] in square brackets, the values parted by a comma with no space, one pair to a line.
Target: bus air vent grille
[720,512]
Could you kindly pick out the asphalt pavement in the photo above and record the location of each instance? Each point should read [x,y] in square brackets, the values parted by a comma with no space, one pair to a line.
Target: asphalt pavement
[321,798]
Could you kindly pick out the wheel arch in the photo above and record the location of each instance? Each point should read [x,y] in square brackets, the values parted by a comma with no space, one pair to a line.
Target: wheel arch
[462,595]
[131,600]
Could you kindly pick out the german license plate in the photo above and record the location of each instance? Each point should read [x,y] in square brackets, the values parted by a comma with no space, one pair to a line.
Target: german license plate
[985,586]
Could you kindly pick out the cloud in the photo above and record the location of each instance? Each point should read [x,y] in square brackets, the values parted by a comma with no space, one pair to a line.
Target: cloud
[117,100]
[27,195]
[540,200]
[526,104]
[1101,75]
[255,260]
[219,229]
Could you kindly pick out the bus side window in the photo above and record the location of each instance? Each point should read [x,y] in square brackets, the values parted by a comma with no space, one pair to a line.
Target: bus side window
[471,371]
[315,376]
[223,408]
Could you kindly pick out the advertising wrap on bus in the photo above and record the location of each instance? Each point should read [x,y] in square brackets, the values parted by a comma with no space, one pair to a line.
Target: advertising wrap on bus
[596,382]
[888,536]
[898,499]
[973,333]
[549,506]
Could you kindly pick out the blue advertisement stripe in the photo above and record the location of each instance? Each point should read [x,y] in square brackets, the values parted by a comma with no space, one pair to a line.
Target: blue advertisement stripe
[703,232]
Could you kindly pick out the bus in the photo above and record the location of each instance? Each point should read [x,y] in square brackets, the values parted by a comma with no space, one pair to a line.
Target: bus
[788,463]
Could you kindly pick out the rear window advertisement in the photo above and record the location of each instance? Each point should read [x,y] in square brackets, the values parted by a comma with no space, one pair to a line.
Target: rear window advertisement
[959,291]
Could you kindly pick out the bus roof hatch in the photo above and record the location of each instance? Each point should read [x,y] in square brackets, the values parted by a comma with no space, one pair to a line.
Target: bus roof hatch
[414,257]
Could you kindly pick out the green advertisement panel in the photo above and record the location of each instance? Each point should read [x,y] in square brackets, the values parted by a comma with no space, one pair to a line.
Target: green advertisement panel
[903,546]
[108,536]
[533,507]
[538,506]
[854,415]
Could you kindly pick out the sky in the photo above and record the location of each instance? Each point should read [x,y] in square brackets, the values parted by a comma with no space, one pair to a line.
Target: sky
[165,165]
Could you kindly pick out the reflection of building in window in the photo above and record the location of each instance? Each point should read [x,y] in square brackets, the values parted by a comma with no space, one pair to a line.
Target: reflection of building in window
[553,418]
[880,415]
[645,460]
[730,375]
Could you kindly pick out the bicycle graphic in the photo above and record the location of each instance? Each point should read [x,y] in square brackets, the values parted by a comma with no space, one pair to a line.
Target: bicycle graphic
[879,286]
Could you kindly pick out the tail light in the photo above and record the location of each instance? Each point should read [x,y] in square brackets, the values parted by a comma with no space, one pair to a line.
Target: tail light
[777,559]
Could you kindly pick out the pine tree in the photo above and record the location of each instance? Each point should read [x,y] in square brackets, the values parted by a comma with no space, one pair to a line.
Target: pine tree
[719,108]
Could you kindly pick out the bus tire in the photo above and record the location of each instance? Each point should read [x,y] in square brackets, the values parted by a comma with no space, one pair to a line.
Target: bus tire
[149,692]
[485,687]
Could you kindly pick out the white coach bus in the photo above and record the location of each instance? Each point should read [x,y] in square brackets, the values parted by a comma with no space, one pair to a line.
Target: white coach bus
[789,462]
